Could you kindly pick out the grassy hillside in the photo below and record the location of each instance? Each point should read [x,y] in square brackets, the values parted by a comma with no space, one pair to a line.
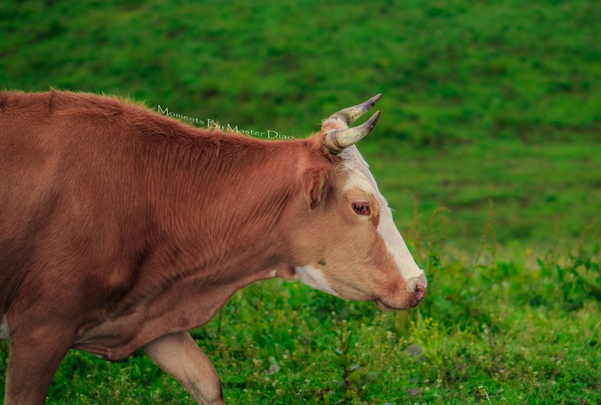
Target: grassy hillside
[490,109]
[489,100]
[501,332]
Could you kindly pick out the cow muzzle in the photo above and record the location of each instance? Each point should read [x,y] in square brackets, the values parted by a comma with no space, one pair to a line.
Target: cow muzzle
[414,294]
[419,285]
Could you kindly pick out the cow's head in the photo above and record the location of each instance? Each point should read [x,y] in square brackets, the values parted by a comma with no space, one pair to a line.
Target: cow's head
[346,241]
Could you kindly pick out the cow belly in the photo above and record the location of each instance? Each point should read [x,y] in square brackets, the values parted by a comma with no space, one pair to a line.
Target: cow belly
[117,338]
[4,329]
[112,339]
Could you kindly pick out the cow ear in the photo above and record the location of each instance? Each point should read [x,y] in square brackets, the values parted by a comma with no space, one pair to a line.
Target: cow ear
[314,181]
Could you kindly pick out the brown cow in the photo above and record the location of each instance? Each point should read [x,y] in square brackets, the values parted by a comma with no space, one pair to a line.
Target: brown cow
[122,229]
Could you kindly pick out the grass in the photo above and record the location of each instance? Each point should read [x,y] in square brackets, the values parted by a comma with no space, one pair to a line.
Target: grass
[537,190]
[490,110]
[507,332]
[489,100]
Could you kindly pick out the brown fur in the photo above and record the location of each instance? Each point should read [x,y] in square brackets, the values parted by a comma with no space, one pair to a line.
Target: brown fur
[119,226]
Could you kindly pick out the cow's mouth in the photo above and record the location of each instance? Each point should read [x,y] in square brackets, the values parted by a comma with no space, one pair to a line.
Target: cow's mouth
[388,308]
[385,307]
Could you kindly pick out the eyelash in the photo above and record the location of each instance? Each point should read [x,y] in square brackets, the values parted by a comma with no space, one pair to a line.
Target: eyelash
[361,208]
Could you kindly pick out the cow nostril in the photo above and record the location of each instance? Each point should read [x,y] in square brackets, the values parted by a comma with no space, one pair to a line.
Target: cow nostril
[420,291]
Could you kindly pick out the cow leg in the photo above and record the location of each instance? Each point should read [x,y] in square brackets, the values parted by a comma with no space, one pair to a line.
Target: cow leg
[179,355]
[34,357]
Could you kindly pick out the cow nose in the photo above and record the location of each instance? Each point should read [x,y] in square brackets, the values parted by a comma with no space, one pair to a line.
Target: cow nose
[419,286]
[420,292]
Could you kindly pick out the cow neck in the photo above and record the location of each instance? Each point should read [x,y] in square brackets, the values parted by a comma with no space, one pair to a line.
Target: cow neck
[213,228]
[216,211]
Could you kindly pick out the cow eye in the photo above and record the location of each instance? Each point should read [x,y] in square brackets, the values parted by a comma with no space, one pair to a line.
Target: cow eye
[361,208]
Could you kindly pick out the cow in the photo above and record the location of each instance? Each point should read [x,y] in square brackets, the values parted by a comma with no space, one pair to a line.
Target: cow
[122,229]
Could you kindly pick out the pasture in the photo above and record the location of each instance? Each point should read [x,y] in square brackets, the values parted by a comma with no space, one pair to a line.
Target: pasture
[488,149]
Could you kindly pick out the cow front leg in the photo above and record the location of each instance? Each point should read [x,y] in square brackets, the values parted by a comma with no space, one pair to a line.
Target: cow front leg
[34,356]
[179,355]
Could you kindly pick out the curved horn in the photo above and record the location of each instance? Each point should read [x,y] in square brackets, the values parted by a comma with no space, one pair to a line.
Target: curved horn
[350,114]
[338,139]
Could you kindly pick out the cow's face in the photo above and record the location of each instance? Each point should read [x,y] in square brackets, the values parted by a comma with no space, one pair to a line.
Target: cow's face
[350,245]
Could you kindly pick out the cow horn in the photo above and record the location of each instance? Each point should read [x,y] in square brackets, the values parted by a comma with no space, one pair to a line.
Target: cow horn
[338,139]
[350,114]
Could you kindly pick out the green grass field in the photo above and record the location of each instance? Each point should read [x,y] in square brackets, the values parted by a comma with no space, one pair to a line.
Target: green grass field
[488,149]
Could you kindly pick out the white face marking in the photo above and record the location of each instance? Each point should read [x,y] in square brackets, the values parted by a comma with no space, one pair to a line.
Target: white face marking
[360,177]
[313,277]
[396,246]
[4,329]
[357,179]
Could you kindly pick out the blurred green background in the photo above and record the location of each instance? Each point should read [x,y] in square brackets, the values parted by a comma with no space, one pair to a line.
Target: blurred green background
[491,109]
[481,100]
